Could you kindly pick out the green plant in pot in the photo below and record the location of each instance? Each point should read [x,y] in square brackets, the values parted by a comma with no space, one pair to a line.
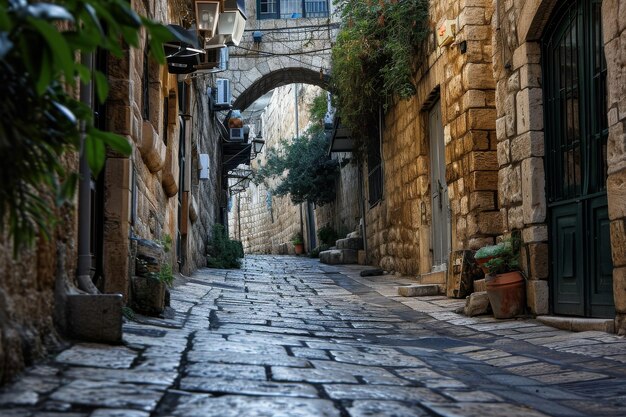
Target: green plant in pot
[298,242]
[486,254]
[506,286]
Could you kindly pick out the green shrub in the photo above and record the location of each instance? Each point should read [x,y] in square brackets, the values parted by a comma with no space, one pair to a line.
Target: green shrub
[223,253]
[327,235]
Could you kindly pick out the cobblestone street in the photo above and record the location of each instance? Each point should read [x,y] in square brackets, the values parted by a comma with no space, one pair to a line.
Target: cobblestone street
[291,337]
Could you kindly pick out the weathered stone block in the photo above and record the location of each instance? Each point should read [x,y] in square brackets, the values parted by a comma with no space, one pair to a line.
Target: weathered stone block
[510,115]
[95,317]
[476,304]
[526,53]
[539,265]
[482,200]
[350,243]
[537,296]
[484,161]
[510,185]
[535,234]
[515,218]
[484,119]
[616,192]
[474,99]
[148,295]
[529,110]
[418,290]
[478,76]
[530,76]
[616,148]
[619,289]
[618,242]
[480,285]
[483,180]
[533,190]
[527,145]
[152,149]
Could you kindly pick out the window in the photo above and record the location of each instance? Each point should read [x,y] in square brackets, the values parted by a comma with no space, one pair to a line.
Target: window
[292,9]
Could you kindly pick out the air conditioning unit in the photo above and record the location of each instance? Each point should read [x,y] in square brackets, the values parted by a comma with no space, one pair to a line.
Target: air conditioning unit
[222,94]
[237,133]
[214,60]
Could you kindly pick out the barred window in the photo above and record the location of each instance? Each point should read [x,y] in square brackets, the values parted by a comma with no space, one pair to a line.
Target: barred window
[292,9]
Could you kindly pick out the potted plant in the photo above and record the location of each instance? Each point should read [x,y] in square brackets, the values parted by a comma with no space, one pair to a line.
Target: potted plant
[486,254]
[298,242]
[506,286]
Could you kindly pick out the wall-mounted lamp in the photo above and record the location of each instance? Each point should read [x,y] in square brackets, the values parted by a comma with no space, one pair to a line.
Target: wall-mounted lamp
[230,27]
[257,144]
[257,36]
[207,18]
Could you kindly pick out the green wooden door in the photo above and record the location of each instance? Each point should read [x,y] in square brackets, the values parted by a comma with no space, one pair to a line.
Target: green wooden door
[576,132]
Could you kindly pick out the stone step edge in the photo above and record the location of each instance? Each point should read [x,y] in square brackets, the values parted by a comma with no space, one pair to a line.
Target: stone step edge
[578,324]
[419,290]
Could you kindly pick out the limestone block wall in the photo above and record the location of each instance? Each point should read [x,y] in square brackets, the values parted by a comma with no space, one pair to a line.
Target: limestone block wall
[520,149]
[27,291]
[399,227]
[614,32]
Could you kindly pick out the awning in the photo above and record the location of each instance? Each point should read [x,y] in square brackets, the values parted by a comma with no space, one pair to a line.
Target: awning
[183,52]
[235,154]
[340,138]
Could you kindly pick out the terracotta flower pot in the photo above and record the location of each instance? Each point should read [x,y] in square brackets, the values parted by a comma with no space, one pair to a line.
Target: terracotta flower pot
[482,261]
[507,294]
[299,248]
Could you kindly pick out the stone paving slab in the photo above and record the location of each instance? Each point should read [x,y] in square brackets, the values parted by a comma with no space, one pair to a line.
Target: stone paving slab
[286,336]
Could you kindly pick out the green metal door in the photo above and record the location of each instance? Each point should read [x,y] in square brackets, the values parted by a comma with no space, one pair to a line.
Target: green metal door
[576,133]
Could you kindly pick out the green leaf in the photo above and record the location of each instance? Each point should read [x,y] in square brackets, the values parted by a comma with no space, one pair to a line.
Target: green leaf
[95,153]
[83,73]
[45,72]
[102,86]
[114,141]
[58,46]
[90,11]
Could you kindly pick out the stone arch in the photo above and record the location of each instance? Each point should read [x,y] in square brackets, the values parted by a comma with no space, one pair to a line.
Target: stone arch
[533,19]
[254,89]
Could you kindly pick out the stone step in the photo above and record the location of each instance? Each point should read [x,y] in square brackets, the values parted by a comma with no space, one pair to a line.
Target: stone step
[354,235]
[355,243]
[339,256]
[418,290]
[438,277]
[578,324]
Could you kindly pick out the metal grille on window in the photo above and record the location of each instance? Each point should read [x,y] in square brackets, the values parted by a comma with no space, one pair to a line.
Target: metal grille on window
[316,8]
[267,9]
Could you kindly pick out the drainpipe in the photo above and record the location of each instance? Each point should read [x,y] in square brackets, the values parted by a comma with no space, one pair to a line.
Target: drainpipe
[84,195]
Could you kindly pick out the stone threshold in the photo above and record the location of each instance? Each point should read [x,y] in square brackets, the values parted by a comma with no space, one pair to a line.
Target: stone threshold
[578,324]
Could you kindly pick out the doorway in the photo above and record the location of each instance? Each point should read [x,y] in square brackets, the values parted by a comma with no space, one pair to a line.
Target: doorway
[574,70]
[441,228]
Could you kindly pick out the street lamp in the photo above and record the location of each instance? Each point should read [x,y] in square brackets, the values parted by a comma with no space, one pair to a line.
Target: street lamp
[232,22]
[207,18]
[257,144]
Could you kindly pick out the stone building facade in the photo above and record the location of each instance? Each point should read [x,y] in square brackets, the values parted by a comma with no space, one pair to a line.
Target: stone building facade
[153,193]
[530,99]
[559,69]
[455,103]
